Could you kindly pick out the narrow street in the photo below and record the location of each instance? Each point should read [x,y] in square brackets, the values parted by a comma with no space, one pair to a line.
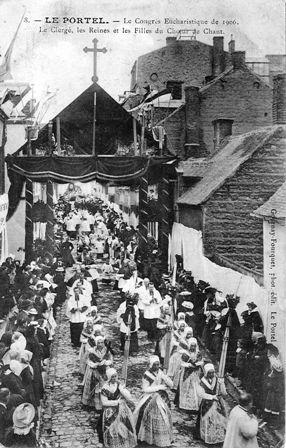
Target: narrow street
[64,422]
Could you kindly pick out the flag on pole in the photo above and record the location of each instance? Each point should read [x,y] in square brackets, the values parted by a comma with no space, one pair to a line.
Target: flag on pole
[15,95]
[5,67]
[19,96]
[44,106]
[30,108]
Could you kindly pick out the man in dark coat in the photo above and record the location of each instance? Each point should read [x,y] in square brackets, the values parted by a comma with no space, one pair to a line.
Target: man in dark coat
[256,320]
[4,420]
[12,381]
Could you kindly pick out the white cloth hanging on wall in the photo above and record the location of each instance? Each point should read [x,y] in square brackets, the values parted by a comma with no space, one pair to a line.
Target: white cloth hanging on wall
[4,204]
[187,242]
[4,245]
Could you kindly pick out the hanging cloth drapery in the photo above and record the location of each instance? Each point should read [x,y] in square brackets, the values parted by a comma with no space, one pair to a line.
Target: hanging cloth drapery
[188,242]
[80,168]
[3,230]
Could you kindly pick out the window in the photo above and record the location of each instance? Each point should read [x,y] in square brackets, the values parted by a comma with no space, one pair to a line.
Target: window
[175,87]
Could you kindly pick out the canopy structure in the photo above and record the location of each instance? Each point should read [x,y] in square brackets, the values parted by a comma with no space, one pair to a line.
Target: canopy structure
[83,143]
[82,168]
[113,125]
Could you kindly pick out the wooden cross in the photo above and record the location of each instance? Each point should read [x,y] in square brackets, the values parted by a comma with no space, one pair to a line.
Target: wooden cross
[95,50]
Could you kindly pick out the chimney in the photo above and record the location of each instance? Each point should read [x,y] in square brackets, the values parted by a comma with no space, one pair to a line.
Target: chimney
[171,40]
[238,59]
[218,56]
[192,111]
[231,45]
[279,99]
[222,129]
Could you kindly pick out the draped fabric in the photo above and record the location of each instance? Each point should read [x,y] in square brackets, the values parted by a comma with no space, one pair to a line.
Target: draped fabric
[188,242]
[59,169]
[15,191]
[78,168]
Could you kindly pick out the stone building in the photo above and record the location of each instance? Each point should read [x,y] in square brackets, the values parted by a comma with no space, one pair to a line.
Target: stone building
[273,215]
[223,191]
[184,62]
[234,102]
[180,63]
[199,94]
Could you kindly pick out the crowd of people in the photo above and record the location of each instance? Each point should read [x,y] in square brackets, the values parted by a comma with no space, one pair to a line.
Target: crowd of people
[25,344]
[184,321]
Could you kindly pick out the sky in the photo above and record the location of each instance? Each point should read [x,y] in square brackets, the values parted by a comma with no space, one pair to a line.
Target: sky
[56,60]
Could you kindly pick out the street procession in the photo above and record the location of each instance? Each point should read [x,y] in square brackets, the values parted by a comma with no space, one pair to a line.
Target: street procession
[142,231]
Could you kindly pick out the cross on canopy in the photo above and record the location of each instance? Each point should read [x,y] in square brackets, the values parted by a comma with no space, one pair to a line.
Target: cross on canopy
[95,50]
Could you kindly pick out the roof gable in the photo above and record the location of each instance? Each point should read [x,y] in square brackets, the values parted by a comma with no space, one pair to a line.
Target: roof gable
[246,71]
[275,207]
[226,162]
[76,121]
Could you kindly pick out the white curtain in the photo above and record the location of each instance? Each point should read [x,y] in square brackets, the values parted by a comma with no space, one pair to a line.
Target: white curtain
[187,242]
[4,245]
[3,229]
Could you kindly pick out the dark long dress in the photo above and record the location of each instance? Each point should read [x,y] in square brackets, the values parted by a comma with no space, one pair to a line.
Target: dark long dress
[13,383]
[34,347]
[258,365]
[210,325]
[274,391]
[27,380]
[234,333]
[66,249]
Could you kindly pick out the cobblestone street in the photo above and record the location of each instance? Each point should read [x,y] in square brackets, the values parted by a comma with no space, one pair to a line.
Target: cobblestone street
[64,422]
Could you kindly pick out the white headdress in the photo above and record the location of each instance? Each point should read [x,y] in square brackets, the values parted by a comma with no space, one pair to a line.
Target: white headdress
[153,359]
[193,341]
[208,368]
[110,372]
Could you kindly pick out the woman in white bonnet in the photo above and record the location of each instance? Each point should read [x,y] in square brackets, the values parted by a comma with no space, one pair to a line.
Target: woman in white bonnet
[99,358]
[18,342]
[211,422]
[86,333]
[187,397]
[152,415]
[116,427]
[178,342]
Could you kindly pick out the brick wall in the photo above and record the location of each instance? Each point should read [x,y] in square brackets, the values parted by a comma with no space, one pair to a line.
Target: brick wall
[229,229]
[191,216]
[186,61]
[238,98]
[160,113]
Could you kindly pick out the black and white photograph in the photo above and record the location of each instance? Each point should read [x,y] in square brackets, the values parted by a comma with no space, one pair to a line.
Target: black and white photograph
[142,223]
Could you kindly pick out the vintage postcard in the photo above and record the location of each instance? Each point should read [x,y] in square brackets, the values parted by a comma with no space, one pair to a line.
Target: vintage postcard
[142,222]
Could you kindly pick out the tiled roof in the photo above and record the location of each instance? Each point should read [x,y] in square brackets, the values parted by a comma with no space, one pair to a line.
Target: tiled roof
[194,167]
[225,162]
[227,72]
[275,206]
